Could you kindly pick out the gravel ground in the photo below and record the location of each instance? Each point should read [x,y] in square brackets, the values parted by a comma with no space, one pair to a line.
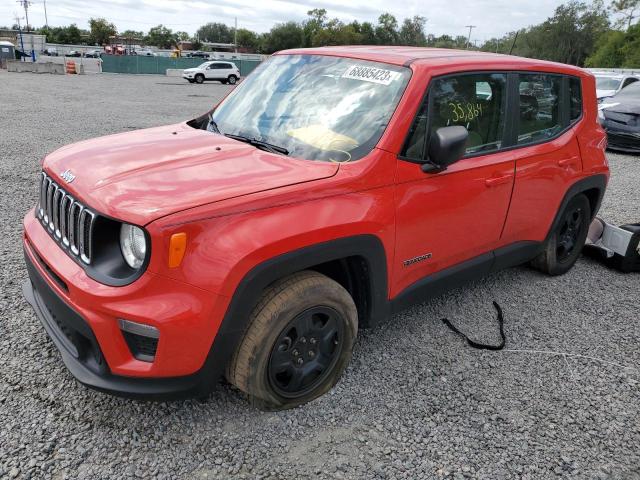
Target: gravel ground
[562,400]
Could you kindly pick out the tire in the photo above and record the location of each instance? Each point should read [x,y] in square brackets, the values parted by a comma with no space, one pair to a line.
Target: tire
[232,80]
[298,342]
[563,247]
[199,78]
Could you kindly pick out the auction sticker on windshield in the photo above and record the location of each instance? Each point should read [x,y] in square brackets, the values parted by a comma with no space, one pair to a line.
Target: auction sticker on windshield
[371,74]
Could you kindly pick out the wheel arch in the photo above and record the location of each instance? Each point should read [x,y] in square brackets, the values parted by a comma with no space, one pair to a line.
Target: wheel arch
[357,262]
[592,187]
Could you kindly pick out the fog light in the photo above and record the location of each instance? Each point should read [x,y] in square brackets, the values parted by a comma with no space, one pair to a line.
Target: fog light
[141,339]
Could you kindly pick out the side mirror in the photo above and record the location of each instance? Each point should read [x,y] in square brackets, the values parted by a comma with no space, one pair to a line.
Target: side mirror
[445,148]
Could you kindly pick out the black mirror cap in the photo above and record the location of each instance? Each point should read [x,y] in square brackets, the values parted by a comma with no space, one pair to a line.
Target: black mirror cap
[447,146]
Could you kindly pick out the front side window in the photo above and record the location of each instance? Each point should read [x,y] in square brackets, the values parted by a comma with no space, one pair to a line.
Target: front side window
[474,101]
[316,107]
[539,107]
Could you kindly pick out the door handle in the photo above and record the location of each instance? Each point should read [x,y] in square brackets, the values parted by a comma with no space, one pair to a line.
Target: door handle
[495,181]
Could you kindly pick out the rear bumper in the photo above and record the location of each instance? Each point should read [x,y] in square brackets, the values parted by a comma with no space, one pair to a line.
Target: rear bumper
[83,357]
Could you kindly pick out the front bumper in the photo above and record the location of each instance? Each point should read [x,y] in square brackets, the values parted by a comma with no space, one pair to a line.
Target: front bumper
[81,352]
[622,141]
[81,317]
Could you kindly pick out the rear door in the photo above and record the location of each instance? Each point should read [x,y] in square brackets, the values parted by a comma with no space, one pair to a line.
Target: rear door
[214,72]
[446,218]
[547,155]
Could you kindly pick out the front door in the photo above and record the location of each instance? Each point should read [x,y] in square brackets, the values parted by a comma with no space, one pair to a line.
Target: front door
[443,219]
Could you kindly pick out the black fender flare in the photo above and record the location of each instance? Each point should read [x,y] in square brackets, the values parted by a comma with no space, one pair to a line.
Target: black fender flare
[246,295]
[594,182]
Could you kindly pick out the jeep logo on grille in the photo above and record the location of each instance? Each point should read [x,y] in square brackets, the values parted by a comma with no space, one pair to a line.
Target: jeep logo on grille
[67,176]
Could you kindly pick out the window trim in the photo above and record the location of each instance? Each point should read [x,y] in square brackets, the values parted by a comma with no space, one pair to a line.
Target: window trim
[512,111]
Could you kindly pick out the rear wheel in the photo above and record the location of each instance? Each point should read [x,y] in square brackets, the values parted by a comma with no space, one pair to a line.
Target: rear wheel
[298,343]
[199,78]
[565,244]
[232,79]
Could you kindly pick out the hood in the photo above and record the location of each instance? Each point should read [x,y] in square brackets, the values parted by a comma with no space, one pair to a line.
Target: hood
[622,105]
[146,174]
[604,93]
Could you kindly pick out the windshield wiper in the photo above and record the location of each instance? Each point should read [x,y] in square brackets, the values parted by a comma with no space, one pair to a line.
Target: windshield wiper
[212,126]
[269,147]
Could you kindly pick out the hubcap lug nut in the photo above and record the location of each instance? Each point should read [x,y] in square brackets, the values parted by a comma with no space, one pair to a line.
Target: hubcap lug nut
[295,353]
[312,341]
[311,354]
[303,340]
[300,361]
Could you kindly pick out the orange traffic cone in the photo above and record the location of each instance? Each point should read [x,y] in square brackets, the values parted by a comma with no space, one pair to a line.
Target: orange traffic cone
[71,67]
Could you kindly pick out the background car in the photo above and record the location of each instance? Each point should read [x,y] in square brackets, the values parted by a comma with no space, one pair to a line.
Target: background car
[224,72]
[608,84]
[51,52]
[93,53]
[198,54]
[145,53]
[73,53]
[620,117]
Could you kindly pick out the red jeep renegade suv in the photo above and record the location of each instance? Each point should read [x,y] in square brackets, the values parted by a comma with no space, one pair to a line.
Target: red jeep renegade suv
[332,188]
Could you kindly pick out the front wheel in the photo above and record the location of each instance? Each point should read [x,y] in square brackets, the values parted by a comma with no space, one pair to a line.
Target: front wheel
[566,241]
[199,78]
[298,343]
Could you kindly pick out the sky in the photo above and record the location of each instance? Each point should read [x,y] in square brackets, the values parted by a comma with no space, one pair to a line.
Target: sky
[491,17]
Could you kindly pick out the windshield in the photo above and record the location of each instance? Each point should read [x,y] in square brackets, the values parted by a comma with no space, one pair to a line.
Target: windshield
[316,107]
[631,91]
[607,83]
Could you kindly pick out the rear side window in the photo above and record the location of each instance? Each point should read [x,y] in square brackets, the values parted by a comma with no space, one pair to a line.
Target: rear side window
[575,99]
[539,107]
[474,101]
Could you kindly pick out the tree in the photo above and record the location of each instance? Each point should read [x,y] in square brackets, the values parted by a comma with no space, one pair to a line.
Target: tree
[182,36]
[367,32]
[215,33]
[100,31]
[315,24]
[387,29]
[617,49]
[628,9]
[133,35]
[283,36]
[412,32]
[336,33]
[161,37]
[247,39]
[569,36]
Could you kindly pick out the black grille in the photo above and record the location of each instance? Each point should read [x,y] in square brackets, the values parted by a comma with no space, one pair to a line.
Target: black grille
[142,348]
[68,221]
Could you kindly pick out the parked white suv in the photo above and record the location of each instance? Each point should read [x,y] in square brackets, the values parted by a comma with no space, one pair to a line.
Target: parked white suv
[224,72]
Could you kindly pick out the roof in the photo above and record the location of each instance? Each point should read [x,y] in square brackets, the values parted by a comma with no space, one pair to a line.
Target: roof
[6,44]
[398,55]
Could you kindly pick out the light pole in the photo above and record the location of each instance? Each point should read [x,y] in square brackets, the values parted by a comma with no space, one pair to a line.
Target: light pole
[470,27]
[46,19]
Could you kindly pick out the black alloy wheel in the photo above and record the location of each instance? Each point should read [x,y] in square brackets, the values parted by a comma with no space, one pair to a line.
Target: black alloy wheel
[306,352]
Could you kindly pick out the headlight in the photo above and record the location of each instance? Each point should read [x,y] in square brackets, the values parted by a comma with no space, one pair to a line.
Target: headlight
[133,245]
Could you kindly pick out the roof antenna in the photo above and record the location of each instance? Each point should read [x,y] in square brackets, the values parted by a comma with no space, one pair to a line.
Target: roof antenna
[514,42]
